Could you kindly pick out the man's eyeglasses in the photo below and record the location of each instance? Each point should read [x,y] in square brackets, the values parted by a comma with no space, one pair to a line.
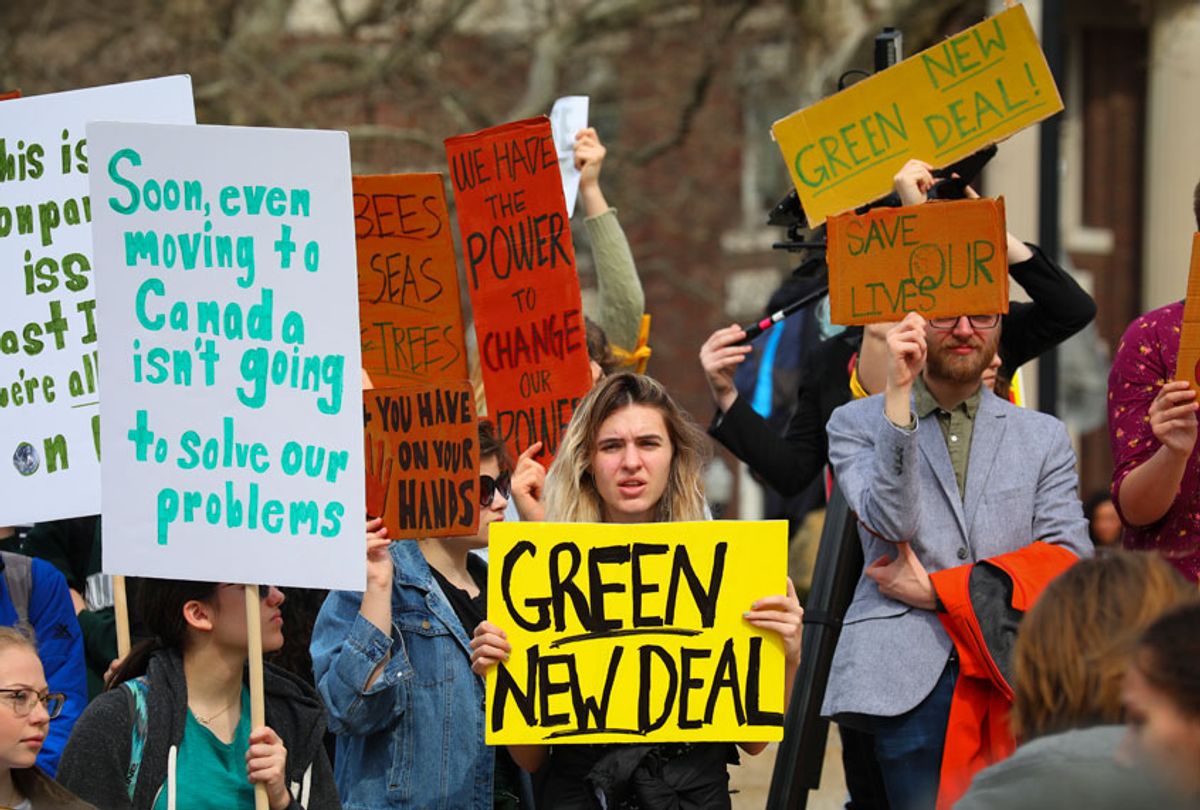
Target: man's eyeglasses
[22,701]
[977,322]
[488,487]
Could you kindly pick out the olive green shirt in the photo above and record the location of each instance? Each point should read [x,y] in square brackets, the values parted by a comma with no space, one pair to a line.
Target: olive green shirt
[956,427]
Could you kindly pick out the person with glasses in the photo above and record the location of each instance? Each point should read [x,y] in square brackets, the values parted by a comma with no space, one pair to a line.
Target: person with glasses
[173,730]
[27,707]
[393,665]
[942,474]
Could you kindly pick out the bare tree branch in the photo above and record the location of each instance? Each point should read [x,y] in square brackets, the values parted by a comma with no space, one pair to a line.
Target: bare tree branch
[713,53]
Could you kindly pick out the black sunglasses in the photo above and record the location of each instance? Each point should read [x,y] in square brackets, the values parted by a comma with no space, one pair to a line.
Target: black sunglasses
[488,487]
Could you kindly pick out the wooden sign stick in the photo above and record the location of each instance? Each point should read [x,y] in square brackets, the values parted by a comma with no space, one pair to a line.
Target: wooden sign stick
[258,714]
[121,614]
[1187,366]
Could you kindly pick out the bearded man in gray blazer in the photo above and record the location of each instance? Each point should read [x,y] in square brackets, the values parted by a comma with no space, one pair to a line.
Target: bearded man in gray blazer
[941,473]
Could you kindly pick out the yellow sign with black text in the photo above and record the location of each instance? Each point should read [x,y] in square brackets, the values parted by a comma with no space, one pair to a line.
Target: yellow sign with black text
[635,633]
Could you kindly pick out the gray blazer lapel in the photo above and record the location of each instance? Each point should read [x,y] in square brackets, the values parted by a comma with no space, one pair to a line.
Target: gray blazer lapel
[987,436]
[933,448]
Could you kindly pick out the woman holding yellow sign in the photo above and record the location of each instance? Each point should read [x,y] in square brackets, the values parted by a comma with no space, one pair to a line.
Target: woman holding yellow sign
[631,455]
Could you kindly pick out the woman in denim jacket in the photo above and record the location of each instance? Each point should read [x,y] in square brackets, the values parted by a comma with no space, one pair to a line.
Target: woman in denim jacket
[393,666]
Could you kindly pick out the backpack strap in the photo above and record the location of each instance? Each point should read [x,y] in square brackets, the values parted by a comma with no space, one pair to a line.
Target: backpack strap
[18,576]
[137,690]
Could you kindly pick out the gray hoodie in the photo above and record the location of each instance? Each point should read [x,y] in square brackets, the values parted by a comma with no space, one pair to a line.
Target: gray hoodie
[96,759]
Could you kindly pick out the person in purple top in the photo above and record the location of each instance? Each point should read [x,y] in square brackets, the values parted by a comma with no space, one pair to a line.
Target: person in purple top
[1152,427]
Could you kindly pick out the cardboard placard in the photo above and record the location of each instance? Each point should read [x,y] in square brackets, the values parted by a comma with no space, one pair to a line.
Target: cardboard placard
[938,259]
[411,315]
[1187,366]
[422,449]
[520,270]
[49,412]
[624,633]
[942,104]
[227,298]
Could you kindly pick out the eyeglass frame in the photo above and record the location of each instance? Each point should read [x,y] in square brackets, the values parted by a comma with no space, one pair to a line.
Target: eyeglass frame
[501,483]
[43,698]
[993,318]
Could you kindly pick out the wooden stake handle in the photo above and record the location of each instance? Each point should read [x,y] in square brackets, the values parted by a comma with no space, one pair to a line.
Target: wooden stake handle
[258,714]
[121,611]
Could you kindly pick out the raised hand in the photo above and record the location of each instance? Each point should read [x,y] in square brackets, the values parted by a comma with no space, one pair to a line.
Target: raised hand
[720,356]
[528,483]
[379,560]
[913,181]
[906,351]
[1173,417]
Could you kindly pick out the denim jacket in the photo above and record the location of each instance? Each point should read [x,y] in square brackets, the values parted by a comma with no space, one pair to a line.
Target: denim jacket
[414,739]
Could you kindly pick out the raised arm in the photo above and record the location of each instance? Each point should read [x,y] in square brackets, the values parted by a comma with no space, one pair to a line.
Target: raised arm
[361,670]
[622,300]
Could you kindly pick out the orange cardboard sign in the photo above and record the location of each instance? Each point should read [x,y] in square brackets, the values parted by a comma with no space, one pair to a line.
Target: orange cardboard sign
[520,271]
[1187,367]
[422,449]
[409,310]
[938,259]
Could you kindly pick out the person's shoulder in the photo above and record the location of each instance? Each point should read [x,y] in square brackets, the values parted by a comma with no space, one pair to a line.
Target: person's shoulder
[107,711]
[1163,319]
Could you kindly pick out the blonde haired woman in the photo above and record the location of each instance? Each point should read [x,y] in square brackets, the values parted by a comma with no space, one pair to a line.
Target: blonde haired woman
[631,455]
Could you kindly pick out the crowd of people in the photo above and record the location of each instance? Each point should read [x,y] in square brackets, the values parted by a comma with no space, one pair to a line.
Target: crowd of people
[1000,649]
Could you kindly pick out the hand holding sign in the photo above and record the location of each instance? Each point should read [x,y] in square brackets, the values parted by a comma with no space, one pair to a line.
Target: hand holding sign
[489,646]
[1173,417]
[782,615]
[906,350]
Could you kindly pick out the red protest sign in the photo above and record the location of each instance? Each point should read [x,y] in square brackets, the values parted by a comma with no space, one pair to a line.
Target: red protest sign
[938,259]
[409,308]
[422,448]
[520,271]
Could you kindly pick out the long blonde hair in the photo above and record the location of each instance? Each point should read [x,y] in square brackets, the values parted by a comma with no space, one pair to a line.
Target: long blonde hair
[571,494]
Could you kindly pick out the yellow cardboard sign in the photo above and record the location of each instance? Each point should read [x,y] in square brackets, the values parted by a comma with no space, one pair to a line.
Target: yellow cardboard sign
[1187,367]
[634,633]
[938,259]
[940,105]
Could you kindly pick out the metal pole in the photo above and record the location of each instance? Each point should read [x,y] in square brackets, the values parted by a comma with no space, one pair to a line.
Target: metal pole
[1048,189]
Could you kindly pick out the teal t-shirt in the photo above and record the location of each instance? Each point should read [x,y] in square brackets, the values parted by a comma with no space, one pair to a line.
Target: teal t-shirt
[210,774]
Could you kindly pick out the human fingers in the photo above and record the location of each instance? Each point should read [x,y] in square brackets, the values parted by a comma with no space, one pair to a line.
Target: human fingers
[1173,393]
[970,193]
[587,133]
[734,353]
[485,658]
[875,571]
[530,451]
[374,525]
[265,735]
[725,336]
[1177,413]
[486,627]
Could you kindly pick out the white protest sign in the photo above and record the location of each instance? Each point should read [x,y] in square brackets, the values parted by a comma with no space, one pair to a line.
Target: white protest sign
[49,416]
[228,302]
[567,117]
